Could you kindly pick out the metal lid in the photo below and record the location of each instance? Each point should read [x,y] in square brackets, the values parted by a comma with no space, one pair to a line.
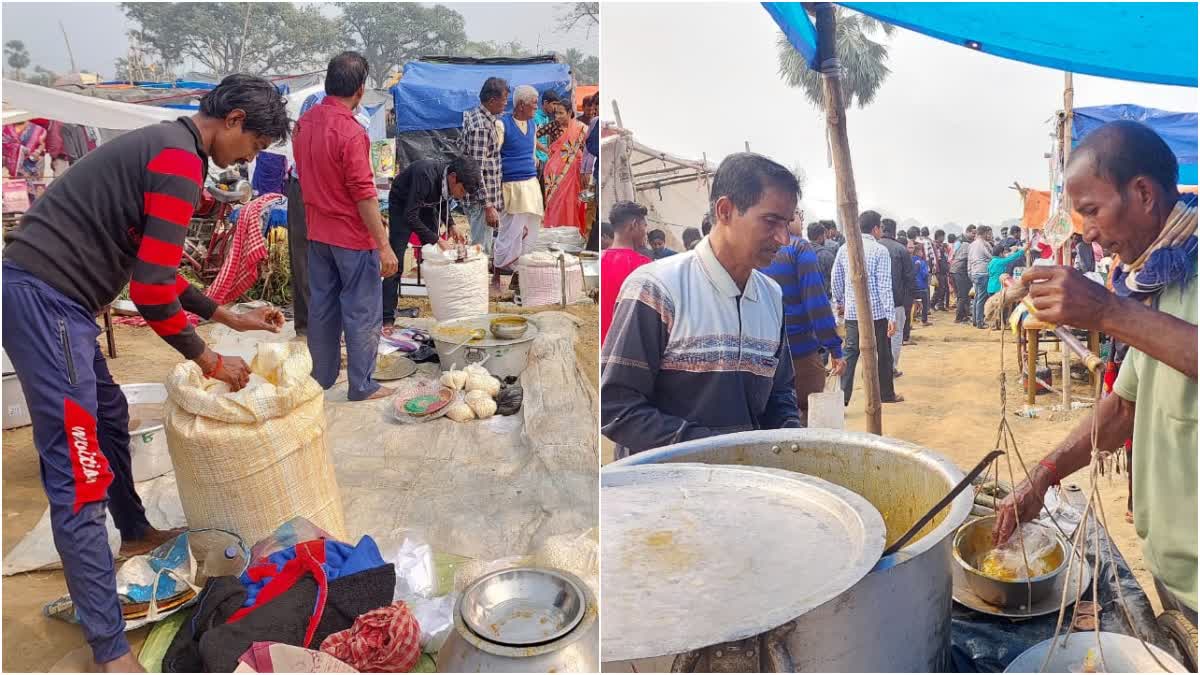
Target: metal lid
[699,554]
[458,331]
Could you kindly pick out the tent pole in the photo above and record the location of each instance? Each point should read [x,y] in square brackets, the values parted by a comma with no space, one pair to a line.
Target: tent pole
[1068,111]
[847,196]
[617,114]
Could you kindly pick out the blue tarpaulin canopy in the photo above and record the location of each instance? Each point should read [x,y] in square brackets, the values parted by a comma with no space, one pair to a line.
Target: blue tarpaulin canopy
[1178,129]
[435,95]
[1141,41]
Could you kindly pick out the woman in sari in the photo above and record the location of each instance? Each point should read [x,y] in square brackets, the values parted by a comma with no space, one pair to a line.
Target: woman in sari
[24,143]
[562,173]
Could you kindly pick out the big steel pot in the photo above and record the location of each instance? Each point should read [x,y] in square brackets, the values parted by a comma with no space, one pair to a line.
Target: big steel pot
[897,619]
[502,358]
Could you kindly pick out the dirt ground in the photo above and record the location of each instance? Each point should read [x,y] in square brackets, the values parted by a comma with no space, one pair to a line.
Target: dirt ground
[33,643]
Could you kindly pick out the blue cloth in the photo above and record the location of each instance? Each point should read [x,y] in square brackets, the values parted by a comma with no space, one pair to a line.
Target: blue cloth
[879,281]
[516,154]
[922,271]
[341,560]
[997,266]
[344,296]
[1177,129]
[51,341]
[540,118]
[593,148]
[269,169]
[1163,267]
[1092,38]
[807,315]
[435,95]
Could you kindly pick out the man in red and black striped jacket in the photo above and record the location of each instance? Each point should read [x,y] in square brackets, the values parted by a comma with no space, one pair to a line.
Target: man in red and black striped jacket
[120,216]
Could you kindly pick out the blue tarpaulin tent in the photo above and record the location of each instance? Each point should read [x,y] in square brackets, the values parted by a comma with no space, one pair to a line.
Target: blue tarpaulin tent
[1178,129]
[435,95]
[1142,41]
[435,92]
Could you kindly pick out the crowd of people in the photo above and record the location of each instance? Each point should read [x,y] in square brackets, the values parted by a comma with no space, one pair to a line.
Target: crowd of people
[513,174]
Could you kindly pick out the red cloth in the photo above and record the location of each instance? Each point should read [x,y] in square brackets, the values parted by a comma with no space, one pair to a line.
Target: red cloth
[384,640]
[239,271]
[54,141]
[310,555]
[333,156]
[616,264]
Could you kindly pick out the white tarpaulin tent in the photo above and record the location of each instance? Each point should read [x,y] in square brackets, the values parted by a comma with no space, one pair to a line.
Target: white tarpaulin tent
[673,189]
[26,101]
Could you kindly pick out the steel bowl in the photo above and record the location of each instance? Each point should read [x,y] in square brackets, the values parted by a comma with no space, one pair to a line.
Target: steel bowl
[523,606]
[509,327]
[974,539]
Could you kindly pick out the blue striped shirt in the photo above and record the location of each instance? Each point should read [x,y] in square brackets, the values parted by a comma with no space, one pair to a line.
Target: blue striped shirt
[806,310]
[879,281]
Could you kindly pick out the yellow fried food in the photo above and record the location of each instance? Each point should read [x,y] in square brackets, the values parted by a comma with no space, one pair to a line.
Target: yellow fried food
[993,565]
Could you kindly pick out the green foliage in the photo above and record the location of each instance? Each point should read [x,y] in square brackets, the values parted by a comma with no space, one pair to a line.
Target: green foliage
[391,34]
[17,56]
[265,38]
[586,68]
[864,61]
[43,77]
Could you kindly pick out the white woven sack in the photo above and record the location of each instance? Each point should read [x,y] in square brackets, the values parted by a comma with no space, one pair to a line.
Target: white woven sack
[541,279]
[249,461]
[566,235]
[456,290]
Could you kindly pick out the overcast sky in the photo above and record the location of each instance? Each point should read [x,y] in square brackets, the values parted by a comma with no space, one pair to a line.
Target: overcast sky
[97,30]
[947,134]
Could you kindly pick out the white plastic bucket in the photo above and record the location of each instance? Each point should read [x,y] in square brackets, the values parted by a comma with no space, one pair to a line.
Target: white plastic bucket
[148,445]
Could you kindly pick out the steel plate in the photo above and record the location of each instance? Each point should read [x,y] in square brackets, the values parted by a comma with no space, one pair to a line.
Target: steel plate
[1122,654]
[393,366]
[699,554]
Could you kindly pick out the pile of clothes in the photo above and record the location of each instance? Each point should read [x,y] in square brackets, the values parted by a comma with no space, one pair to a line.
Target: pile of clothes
[320,595]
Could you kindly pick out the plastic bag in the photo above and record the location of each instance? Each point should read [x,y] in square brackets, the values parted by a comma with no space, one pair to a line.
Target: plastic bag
[414,572]
[1006,563]
[150,587]
[827,409]
[436,618]
[295,531]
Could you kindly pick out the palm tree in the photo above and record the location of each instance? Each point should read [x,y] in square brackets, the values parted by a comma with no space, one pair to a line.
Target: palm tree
[17,57]
[864,61]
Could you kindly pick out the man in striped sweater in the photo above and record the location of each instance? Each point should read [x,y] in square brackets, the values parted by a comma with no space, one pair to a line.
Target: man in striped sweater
[123,210]
[808,316]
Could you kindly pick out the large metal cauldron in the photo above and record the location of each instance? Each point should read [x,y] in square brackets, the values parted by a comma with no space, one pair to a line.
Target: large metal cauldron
[897,619]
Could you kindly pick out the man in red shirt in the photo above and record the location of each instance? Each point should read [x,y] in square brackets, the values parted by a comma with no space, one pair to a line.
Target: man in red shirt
[348,248]
[617,262]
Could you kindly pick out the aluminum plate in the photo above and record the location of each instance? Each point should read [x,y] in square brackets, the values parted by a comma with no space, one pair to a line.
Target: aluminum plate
[700,554]
[1122,654]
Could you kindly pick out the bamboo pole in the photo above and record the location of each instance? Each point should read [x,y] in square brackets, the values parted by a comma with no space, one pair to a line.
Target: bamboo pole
[847,196]
[1068,111]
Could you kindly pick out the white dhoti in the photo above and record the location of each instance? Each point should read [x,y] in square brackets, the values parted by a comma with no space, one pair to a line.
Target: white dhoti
[520,222]
[518,235]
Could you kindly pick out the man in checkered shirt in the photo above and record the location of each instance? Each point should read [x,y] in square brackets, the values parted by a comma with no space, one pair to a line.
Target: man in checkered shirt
[480,140]
[883,311]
